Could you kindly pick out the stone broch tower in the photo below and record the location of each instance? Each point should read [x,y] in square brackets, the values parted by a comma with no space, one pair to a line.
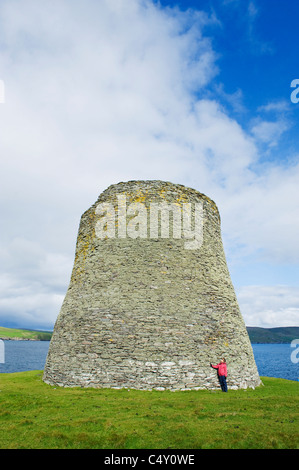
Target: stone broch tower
[143,311]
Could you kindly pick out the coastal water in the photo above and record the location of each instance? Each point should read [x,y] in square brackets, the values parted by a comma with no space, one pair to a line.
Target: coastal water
[275,360]
[272,360]
[24,355]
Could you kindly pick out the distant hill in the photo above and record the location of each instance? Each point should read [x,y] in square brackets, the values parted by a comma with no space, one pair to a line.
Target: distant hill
[273,335]
[256,334]
[22,334]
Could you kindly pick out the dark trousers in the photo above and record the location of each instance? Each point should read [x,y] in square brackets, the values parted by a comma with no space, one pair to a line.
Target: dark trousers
[222,380]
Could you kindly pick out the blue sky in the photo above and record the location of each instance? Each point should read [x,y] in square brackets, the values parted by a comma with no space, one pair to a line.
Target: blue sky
[256,46]
[193,92]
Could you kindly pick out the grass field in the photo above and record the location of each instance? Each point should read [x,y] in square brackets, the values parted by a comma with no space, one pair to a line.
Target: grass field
[36,415]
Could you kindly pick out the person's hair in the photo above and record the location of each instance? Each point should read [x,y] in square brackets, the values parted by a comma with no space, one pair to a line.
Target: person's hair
[224,359]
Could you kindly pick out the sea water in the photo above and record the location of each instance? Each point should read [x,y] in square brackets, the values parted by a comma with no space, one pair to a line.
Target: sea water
[272,360]
[276,360]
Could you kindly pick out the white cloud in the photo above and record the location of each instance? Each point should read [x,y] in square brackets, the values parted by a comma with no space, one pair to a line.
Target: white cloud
[269,132]
[32,283]
[234,100]
[276,106]
[102,92]
[269,129]
[269,306]
[261,220]
[252,10]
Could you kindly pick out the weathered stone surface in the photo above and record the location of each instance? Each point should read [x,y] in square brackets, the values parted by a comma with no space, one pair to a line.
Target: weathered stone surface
[147,313]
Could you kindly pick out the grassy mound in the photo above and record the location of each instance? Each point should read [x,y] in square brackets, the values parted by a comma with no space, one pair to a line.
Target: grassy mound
[36,415]
[13,333]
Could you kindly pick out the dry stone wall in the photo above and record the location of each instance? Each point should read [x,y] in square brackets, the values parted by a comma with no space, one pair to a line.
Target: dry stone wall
[145,312]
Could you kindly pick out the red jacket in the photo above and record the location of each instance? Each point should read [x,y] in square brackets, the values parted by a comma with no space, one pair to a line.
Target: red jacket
[222,369]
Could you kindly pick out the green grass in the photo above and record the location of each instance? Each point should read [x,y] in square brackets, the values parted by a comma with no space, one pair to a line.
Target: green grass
[24,334]
[36,415]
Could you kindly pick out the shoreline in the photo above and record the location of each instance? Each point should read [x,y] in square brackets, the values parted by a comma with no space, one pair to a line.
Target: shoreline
[6,338]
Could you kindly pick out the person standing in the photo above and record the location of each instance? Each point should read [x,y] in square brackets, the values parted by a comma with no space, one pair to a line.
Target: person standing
[222,373]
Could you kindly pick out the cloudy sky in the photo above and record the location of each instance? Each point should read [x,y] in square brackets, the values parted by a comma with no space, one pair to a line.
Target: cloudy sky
[192,92]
